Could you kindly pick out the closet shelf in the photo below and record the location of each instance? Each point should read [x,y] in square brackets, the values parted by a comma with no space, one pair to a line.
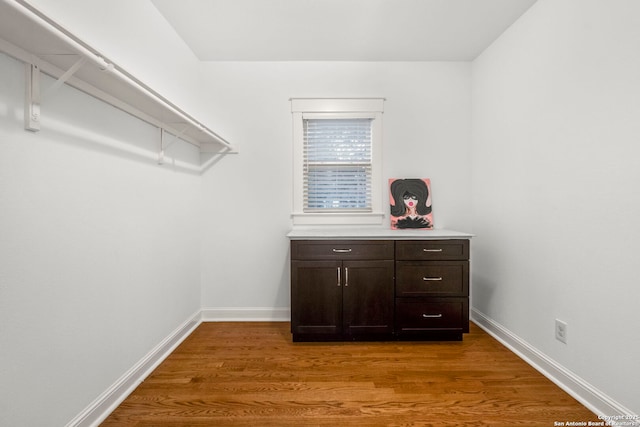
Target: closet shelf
[33,38]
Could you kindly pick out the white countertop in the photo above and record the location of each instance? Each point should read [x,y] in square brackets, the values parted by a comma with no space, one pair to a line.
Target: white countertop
[373,233]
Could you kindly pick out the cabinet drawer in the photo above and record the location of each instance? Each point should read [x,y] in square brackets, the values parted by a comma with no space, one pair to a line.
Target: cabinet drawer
[457,249]
[342,249]
[443,314]
[432,278]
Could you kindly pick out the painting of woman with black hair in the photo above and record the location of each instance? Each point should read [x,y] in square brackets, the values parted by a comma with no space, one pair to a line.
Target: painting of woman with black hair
[410,203]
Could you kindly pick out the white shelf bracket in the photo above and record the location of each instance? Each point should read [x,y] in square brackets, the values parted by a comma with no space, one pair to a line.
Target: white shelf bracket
[66,76]
[161,152]
[176,136]
[32,98]
[164,147]
[33,95]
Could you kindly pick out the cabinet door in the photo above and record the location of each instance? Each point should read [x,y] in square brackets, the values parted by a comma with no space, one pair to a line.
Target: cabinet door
[368,297]
[316,297]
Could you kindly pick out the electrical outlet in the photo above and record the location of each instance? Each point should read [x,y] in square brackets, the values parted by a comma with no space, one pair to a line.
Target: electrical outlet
[561,331]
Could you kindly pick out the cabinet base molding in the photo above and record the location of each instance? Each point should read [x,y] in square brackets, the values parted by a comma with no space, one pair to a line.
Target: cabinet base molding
[339,337]
[420,335]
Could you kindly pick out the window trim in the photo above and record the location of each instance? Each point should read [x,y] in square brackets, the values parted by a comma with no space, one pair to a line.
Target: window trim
[337,107]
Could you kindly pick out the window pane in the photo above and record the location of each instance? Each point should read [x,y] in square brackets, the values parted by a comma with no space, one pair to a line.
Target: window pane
[346,187]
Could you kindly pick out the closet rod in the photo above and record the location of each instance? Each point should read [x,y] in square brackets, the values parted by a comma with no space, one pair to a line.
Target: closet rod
[30,12]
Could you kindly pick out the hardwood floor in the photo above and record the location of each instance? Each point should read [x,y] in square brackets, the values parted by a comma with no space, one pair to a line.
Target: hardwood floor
[251,374]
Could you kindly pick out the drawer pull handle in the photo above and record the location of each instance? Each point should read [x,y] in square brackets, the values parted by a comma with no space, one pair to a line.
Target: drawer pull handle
[428,316]
[432,279]
[342,251]
[431,250]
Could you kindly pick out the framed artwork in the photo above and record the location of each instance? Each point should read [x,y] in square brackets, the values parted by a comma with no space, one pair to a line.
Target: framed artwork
[410,203]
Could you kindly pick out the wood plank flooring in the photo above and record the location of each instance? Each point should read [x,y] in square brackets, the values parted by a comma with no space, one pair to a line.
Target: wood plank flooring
[251,374]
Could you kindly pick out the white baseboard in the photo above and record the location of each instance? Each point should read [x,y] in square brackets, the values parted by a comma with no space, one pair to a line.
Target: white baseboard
[595,400]
[246,314]
[100,408]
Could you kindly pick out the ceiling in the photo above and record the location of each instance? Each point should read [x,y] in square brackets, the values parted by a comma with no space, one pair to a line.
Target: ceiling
[340,30]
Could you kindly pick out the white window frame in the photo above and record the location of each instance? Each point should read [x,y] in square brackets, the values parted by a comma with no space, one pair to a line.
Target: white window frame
[372,108]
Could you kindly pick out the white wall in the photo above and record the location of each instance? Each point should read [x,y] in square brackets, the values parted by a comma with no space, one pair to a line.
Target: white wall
[247,198]
[556,126]
[100,251]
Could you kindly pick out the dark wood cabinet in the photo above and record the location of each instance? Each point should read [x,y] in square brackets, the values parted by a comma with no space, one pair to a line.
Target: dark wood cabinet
[379,289]
[341,289]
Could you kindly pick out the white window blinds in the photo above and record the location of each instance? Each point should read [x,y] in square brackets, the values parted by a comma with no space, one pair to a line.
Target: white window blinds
[337,158]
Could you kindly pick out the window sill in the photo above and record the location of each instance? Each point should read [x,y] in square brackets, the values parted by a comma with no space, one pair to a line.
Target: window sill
[333,218]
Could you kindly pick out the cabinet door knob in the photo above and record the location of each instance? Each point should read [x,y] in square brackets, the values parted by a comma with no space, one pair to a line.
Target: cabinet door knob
[428,316]
[342,251]
[432,279]
[431,250]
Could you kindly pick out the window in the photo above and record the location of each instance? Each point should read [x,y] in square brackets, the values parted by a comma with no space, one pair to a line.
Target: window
[337,146]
